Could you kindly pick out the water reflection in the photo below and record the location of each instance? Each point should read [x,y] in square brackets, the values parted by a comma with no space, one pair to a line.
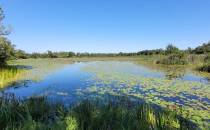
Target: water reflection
[161,85]
[177,72]
[71,75]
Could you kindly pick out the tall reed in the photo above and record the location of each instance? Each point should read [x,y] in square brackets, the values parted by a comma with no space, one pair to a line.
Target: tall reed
[9,74]
[40,114]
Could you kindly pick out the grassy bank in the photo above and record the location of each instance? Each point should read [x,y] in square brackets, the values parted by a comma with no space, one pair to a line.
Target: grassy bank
[9,74]
[175,59]
[38,114]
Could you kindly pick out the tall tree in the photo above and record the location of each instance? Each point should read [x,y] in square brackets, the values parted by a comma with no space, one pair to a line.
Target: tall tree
[6,50]
[6,47]
[171,49]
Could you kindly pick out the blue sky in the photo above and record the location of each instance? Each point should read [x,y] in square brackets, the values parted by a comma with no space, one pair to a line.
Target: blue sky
[106,25]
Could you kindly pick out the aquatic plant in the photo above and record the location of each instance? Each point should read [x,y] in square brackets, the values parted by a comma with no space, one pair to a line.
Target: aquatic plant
[174,59]
[193,97]
[8,74]
[37,69]
[38,113]
[114,79]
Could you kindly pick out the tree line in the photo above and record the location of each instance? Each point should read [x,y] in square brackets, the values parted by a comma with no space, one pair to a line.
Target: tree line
[8,50]
[170,49]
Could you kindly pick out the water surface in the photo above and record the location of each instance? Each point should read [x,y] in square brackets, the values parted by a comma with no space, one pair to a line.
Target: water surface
[166,87]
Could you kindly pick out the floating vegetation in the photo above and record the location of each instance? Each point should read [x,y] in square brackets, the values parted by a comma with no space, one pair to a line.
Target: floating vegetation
[189,97]
[37,69]
[193,97]
[29,69]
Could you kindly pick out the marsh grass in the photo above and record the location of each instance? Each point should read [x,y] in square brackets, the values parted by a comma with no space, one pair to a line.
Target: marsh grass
[40,114]
[8,74]
[204,68]
[206,65]
[174,59]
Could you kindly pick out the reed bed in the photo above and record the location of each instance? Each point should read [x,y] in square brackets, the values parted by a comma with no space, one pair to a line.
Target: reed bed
[39,114]
[8,75]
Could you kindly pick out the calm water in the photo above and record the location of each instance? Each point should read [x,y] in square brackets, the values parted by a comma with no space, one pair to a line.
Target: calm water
[162,86]
[64,83]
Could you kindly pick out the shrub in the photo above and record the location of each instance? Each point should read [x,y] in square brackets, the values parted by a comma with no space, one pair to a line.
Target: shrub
[174,59]
[6,50]
[171,49]
[207,59]
[206,64]
[205,68]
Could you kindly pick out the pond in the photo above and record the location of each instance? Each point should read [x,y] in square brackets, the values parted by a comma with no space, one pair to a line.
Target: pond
[171,87]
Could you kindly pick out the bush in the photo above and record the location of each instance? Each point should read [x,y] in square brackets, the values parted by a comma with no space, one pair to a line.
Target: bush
[174,59]
[171,49]
[206,64]
[203,49]
[6,50]
[20,54]
[205,68]
[207,59]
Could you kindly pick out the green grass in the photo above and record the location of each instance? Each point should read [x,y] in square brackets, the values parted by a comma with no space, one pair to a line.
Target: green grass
[38,114]
[167,88]
[8,74]
[175,59]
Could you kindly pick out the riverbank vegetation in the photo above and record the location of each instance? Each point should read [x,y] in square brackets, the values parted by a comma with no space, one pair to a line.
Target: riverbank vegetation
[169,56]
[39,114]
[174,59]
[205,68]
[9,74]
[206,64]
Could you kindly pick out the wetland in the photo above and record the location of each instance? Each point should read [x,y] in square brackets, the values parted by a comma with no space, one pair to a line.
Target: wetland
[177,88]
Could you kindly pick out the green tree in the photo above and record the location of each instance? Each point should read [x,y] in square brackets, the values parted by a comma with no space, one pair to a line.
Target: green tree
[189,50]
[171,49]
[21,54]
[203,49]
[6,47]
[71,54]
[51,54]
[6,50]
